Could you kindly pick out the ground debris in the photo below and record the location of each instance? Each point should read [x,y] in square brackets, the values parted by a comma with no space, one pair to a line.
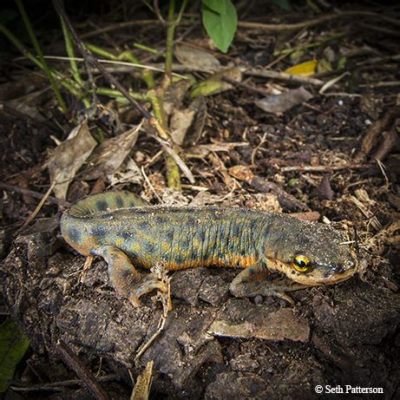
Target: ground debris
[241,319]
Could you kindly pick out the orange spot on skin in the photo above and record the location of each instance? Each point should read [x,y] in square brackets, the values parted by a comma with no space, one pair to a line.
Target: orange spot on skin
[241,261]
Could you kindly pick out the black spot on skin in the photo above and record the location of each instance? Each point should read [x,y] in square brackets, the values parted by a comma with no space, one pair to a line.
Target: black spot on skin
[236,230]
[99,231]
[127,235]
[170,235]
[119,201]
[191,221]
[253,225]
[74,234]
[144,225]
[149,247]
[202,236]
[101,205]
[179,259]
[185,244]
[243,252]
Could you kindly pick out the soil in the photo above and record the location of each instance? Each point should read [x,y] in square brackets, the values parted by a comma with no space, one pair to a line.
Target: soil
[332,158]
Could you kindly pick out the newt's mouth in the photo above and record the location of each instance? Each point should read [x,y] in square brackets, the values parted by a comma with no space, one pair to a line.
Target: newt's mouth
[319,275]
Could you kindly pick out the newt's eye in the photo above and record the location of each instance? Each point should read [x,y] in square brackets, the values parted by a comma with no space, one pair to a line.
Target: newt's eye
[301,263]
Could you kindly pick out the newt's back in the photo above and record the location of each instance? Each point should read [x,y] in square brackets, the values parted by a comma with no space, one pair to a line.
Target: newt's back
[177,237]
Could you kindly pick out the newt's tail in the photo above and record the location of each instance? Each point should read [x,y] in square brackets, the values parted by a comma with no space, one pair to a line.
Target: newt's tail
[105,202]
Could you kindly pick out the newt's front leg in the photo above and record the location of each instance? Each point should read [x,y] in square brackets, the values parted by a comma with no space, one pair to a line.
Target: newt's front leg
[252,282]
[125,279]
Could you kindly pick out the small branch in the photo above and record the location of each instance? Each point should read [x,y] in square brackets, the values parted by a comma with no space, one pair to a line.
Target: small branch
[60,386]
[370,139]
[37,195]
[283,76]
[316,21]
[35,212]
[323,168]
[81,371]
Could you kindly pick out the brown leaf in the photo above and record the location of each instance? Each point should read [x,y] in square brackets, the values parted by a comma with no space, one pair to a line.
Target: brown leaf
[279,103]
[181,120]
[68,157]
[110,155]
[324,189]
[196,58]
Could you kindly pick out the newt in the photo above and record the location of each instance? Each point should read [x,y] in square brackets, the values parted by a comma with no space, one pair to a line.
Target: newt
[127,233]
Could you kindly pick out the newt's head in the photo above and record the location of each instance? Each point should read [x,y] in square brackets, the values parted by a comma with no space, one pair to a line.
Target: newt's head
[310,254]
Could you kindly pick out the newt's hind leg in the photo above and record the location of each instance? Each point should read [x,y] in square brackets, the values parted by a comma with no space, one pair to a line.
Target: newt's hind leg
[252,281]
[125,279]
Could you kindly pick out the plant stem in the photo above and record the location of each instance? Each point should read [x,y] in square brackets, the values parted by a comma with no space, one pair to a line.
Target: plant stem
[169,52]
[70,85]
[39,52]
[69,47]
[173,175]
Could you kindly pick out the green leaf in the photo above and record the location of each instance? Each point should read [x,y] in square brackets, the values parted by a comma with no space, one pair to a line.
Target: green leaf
[220,21]
[13,346]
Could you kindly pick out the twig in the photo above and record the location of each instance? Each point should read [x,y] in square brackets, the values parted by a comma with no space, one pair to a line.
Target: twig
[37,209]
[158,12]
[390,139]
[37,195]
[254,25]
[371,137]
[316,21]
[165,297]
[60,386]
[250,88]
[283,76]
[377,85]
[285,199]
[120,25]
[332,82]
[147,344]
[81,371]
[323,168]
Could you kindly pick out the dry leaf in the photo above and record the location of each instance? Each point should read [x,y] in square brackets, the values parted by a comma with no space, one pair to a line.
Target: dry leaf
[278,104]
[110,155]
[324,190]
[196,58]
[199,105]
[175,93]
[303,69]
[181,120]
[129,172]
[68,157]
